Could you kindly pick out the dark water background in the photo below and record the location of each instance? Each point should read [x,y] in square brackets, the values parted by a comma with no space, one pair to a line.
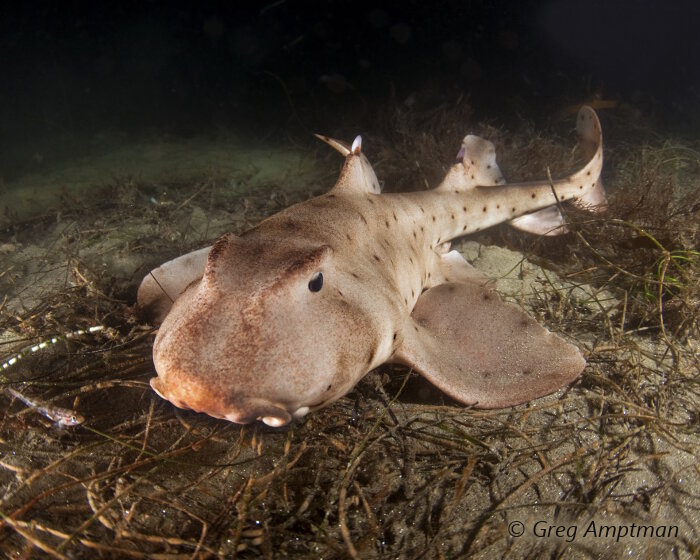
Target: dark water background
[73,70]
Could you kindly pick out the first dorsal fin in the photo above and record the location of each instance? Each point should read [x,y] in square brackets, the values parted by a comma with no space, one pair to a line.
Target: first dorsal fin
[357,174]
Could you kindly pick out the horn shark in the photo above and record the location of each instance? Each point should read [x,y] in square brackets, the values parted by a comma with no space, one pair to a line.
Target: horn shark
[287,317]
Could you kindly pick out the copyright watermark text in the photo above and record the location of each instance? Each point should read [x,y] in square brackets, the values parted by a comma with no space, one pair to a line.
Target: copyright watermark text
[591,530]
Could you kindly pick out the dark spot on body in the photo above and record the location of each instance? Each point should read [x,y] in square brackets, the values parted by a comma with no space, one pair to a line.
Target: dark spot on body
[464,228]
[386,223]
[487,296]
[363,219]
[376,257]
[348,236]
[433,217]
[533,195]
[370,200]
[464,208]
[453,216]
[395,218]
[484,208]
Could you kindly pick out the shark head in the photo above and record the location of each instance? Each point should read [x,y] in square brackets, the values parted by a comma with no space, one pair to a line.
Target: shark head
[266,334]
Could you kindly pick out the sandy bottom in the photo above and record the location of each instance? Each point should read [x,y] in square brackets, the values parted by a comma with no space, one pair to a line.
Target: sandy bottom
[604,469]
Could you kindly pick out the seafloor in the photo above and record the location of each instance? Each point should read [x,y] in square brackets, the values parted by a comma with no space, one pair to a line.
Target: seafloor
[603,469]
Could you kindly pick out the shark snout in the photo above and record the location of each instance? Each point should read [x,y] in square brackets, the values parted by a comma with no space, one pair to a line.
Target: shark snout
[242,411]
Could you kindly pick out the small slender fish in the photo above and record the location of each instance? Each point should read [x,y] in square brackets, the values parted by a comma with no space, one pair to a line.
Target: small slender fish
[64,417]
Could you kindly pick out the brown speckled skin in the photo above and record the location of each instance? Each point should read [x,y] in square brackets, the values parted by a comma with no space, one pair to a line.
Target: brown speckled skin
[249,340]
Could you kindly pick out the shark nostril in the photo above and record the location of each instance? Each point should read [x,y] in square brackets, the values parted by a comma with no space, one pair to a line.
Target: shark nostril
[300,412]
[271,414]
[274,421]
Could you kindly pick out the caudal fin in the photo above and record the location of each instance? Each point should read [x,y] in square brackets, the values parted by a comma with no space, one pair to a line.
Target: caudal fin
[590,143]
[549,221]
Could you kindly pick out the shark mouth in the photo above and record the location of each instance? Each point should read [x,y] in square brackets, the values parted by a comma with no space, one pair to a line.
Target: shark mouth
[246,412]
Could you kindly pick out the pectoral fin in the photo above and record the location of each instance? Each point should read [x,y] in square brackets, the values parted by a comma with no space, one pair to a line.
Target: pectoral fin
[161,287]
[481,351]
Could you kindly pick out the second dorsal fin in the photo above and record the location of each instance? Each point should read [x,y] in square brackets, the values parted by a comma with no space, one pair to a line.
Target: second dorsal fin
[476,167]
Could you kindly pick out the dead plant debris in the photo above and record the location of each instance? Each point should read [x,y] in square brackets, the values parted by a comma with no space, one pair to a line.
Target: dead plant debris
[394,468]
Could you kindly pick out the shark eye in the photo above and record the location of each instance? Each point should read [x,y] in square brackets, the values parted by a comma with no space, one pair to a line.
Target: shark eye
[316,283]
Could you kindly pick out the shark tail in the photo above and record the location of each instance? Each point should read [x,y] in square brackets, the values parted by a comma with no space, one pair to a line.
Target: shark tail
[590,143]
[550,221]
